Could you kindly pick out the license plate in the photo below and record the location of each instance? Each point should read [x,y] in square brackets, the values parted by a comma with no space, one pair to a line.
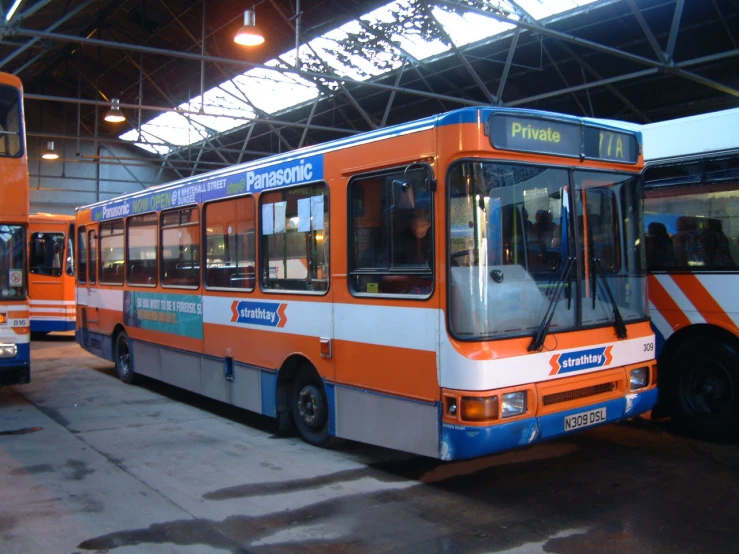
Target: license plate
[585,419]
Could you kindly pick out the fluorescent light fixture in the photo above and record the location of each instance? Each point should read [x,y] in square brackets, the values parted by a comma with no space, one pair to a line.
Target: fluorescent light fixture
[11,11]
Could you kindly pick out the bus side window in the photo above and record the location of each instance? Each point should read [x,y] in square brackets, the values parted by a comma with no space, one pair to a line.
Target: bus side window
[180,248]
[391,233]
[69,263]
[82,256]
[294,235]
[92,252]
[229,236]
[142,250]
[112,256]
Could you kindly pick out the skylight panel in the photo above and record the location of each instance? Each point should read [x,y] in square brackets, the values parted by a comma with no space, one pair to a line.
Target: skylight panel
[148,142]
[540,9]
[233,111]
[272,91]
[355,51]
[175,129]
[343,62]
[466,28]
[399,21]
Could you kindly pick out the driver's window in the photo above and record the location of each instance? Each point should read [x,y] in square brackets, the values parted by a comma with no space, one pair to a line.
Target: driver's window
[391,233]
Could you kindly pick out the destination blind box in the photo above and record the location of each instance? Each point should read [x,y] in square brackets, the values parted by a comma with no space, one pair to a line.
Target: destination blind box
[561,138]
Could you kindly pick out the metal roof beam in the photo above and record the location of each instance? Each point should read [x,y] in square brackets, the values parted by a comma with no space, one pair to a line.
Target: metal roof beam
[392,96]
[555,34]
[241,63]
[586,86]
[674,28]
[33,41]
[647,31]
[706,82]
[507,67]
[45,98]
[305,131]
[460,56]
[608,86]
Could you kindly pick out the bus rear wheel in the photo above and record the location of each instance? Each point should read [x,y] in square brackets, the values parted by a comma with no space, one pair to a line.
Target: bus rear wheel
[310,407]
[123,358]
[705,389]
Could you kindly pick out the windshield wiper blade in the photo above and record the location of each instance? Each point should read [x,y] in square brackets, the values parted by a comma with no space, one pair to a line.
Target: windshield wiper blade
[618,321]
[541,333]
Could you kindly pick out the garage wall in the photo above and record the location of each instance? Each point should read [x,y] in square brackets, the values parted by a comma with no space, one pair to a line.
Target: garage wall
[86,171]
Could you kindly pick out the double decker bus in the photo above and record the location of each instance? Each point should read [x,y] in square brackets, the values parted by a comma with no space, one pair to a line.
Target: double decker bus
[51,285]
[15,354]
[691,210]
[452,287]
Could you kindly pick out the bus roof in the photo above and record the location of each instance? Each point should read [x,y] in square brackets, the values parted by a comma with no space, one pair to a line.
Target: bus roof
[698,134]
[205,184]
[41,217]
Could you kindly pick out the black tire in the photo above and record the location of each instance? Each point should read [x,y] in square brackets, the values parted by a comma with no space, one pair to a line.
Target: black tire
[123,358]
[704,389]
[310,407]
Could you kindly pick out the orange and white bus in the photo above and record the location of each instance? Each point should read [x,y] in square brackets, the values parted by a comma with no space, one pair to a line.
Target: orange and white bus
[452,287]
[15,352]
[691,210]
[51,285]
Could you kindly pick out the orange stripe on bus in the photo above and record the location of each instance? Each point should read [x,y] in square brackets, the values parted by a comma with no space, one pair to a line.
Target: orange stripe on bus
[704,302]
[666,305]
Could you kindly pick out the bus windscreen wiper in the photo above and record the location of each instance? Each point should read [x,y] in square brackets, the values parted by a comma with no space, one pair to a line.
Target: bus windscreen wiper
[618,321]
[541,333]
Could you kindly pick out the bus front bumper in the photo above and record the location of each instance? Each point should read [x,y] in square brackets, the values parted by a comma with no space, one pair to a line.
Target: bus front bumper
[460,441]
[16,370]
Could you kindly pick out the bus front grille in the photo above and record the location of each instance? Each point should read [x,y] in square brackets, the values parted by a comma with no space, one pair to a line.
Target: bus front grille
[567,396]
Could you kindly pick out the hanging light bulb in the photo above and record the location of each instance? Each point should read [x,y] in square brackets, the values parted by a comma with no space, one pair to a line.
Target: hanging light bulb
[49,153]
[114,114]
[249,34]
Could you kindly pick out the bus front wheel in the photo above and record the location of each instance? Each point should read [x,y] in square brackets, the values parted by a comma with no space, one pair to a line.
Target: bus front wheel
[310,407]
[123,358]
[705,389]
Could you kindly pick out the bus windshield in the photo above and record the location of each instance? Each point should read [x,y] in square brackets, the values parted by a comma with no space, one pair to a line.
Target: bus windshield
[12,270]
[518,233]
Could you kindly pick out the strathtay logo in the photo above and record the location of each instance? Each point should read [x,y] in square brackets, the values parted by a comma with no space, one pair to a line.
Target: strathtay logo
[250,312]
[580,360]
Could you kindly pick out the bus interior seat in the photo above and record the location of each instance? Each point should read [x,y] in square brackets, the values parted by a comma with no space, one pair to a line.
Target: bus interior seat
[660,250]
[716,244]
[688,247]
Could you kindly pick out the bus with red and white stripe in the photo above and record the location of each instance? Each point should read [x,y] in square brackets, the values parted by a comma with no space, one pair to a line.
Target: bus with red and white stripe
[51,285]
[691,216]
[15,353]
[452,287]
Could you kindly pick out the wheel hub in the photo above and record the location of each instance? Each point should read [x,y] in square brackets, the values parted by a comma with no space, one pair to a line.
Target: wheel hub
[307,402]
[711,390]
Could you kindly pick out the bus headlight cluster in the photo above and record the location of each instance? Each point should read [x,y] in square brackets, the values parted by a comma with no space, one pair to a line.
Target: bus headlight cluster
[514,403]
[639,378]
[8,350]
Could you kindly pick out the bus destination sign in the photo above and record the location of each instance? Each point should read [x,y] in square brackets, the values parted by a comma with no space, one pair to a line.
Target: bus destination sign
[561,138]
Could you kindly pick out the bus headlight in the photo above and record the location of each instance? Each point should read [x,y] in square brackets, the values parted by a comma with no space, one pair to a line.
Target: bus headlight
[514,403]
[8,350]
[639,378]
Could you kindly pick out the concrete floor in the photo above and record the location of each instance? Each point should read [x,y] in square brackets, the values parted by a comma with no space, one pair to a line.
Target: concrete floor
[92,465]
